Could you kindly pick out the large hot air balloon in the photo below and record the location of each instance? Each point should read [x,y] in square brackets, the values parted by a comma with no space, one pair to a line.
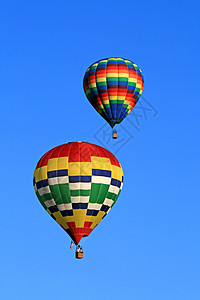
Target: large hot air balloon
[78,183]
[113,86]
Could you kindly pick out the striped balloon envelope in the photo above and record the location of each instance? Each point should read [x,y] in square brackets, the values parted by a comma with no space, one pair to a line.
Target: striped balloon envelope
[113,86]
[78,183]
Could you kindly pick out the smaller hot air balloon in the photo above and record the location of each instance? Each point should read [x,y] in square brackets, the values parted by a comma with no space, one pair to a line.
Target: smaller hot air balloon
[78,183]
[113,86]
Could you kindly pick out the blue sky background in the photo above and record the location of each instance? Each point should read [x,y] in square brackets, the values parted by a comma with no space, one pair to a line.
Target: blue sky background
[148,247]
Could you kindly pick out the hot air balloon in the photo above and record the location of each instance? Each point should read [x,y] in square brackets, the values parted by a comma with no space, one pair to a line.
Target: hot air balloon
[113,86]
[78,183]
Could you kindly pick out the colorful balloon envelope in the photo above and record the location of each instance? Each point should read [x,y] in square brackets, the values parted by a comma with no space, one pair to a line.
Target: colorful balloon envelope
[78,183]
[113,86]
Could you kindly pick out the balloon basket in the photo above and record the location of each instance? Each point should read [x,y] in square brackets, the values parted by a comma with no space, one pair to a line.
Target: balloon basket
[79,255]
[114,135]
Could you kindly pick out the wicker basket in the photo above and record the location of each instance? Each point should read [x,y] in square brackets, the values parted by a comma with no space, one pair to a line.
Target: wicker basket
[79,255]
[114,134]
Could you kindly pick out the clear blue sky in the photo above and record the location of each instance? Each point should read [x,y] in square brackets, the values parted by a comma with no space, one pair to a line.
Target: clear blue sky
[148,246]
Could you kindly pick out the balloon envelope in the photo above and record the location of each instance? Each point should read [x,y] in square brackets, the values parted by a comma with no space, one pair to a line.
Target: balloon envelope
[78,183]
[113,86]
